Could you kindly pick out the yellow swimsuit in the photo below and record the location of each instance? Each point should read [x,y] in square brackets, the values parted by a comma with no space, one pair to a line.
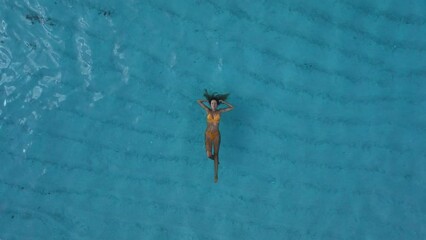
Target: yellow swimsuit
[213,119]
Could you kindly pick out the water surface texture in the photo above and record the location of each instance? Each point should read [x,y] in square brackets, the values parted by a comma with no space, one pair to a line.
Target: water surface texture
[101,136]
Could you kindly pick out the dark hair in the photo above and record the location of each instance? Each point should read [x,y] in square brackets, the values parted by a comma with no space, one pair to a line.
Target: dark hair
[215,96]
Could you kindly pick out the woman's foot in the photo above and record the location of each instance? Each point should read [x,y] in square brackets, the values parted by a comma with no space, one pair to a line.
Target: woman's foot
[215,179]
[212,158]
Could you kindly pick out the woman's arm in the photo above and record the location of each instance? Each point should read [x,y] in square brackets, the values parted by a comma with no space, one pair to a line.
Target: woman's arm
[202,104]
[229,108]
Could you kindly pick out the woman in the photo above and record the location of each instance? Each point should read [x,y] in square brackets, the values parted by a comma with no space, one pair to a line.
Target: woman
[212,134]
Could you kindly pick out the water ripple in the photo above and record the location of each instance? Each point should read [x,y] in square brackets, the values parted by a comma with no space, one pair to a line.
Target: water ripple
[5,57]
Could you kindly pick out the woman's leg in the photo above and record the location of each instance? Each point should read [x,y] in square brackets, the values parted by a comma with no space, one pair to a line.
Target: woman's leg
[208,143]
[216,143]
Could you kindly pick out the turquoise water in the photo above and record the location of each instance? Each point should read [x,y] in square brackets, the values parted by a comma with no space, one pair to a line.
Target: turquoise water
[101,136]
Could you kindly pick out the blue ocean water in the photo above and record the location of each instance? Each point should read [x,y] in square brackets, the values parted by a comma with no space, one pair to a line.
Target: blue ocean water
[102,138]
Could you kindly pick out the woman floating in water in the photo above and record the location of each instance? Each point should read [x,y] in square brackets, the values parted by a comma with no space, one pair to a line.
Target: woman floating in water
[212,135]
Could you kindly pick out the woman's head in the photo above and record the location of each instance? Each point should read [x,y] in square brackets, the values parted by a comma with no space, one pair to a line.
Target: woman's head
[214,99]
[214,103]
